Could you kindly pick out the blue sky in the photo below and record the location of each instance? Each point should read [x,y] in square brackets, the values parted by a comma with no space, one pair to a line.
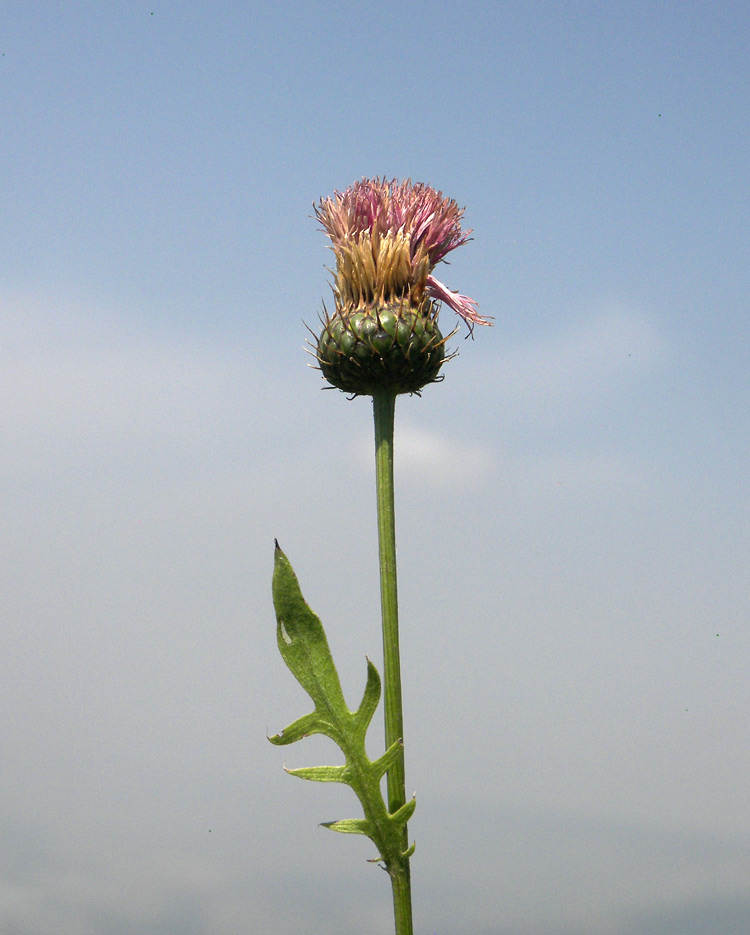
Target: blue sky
[572,500]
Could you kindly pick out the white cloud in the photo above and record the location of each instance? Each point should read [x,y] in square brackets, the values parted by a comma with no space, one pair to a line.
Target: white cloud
[428,455]
[77,386]
[74,369]
[432,459]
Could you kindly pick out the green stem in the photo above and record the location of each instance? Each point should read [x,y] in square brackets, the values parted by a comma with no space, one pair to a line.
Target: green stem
[384,404]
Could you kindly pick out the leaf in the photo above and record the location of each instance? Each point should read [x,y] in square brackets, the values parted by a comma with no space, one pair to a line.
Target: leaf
[303,645]
[308,724]
[403,814]
[302,640]
[384,763]
[322,773]
[370,699]
[349,826]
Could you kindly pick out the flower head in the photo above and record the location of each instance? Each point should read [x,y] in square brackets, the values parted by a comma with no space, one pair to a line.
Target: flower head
[387,237]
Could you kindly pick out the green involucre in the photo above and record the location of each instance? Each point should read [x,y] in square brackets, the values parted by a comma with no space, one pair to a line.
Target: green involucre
[393,346]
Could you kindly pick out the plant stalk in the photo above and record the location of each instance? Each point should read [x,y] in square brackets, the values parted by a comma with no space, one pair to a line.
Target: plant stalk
[384,404]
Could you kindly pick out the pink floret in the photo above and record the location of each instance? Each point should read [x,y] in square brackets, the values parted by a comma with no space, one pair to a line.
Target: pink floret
[461,304]
[384,207]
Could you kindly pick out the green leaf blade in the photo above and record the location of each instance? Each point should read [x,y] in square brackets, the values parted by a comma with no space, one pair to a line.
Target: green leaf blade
[350,826]
[302,641]
[384,763]
[321,773]
[403,814]
[308,724]
[370,698]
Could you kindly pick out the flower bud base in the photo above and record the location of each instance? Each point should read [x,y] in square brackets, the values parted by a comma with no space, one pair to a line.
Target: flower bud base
[393,346]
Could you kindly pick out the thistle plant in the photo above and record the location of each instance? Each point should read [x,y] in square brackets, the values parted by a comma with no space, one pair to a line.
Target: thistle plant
[380,340]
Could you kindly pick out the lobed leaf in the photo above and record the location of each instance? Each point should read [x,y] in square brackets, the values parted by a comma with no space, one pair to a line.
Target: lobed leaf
[303,645]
